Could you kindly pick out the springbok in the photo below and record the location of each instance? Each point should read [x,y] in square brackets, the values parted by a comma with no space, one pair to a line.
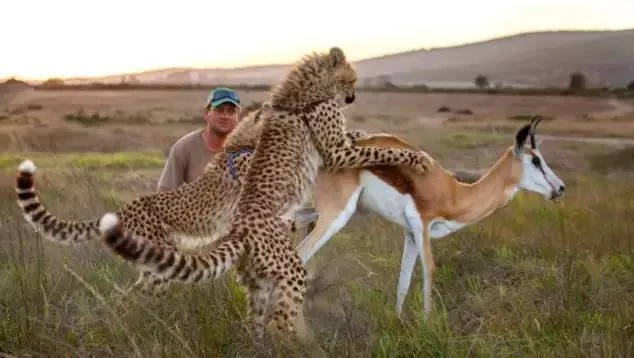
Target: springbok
[429,206]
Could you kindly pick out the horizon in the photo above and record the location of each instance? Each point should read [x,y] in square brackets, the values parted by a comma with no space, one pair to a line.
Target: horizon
[72,44]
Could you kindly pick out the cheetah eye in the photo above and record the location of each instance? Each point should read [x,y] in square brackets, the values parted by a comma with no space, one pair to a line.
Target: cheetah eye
[536,162]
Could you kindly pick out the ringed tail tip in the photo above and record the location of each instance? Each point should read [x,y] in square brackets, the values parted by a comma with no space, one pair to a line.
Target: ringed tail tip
[27,166]
[108,222]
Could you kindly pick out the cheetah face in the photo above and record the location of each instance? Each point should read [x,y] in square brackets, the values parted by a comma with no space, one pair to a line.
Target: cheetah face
[344,77]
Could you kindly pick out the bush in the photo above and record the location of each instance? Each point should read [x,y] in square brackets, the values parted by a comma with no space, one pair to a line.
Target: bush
[577,80]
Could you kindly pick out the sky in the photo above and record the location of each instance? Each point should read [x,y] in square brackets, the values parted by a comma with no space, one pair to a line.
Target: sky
[78,38]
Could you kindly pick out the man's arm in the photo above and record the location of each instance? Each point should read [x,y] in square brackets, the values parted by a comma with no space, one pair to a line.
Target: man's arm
[173,174]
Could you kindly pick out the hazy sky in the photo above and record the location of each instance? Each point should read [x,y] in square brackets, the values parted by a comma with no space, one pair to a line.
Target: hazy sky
[44,38]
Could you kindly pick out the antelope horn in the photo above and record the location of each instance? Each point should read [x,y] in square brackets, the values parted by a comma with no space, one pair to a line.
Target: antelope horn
[534,122]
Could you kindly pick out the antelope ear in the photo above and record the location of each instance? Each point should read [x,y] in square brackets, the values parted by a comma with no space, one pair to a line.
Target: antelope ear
[336,57]
[520,139]
[535,121]
[538,142]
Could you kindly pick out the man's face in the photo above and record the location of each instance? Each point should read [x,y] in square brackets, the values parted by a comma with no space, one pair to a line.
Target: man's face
[223,118]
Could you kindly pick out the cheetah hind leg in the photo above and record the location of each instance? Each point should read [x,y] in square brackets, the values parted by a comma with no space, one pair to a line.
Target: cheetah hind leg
[287,324]
[259,293]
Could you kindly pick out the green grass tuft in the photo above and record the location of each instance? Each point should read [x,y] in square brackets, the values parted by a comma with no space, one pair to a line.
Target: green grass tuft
[119,160]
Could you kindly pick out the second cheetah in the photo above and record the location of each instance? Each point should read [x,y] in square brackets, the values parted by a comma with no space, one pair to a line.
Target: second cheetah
[193,214]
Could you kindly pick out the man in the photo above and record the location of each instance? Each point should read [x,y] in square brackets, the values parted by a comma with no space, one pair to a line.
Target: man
[191,153]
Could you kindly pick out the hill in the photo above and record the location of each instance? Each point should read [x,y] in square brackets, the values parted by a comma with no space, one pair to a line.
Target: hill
[529,59]
[10,89]
[13,85]
[534,59]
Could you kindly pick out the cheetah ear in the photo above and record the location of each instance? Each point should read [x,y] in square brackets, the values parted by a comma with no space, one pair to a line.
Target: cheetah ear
[266,107]
[336,56]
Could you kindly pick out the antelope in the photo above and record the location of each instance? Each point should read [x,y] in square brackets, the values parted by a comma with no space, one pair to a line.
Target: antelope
[429,206]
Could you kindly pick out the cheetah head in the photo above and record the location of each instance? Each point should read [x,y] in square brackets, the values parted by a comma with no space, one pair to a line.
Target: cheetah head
[317,78]
[342,75]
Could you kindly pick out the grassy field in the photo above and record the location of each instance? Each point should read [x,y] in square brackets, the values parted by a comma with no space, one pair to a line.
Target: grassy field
[536,278]
[107,121]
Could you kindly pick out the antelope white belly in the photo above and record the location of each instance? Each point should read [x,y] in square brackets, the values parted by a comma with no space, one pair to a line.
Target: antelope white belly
[384,200]
[441,228]
[391,205]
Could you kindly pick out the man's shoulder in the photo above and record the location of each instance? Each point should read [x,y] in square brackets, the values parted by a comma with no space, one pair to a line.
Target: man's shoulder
[195,135]
[188,139]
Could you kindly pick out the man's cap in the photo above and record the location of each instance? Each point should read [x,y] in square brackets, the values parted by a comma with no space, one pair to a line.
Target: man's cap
[222,95]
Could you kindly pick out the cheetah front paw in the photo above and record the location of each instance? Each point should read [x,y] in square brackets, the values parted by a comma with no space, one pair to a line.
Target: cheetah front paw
[423,163]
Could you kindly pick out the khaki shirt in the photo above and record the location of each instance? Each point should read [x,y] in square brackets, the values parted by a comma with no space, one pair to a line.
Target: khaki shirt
[186,161]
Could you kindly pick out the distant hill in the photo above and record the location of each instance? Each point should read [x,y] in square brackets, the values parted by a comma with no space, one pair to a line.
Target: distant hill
[12,85]
[537,59]
[530,59]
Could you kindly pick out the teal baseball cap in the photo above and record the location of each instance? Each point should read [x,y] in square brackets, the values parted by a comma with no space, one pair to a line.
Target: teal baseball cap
[222,95]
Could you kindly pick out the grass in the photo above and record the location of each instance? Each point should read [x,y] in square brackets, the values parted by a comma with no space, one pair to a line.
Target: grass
[474,139]
[119,160]
[603,128]
[149,112]
[622,160]
[535,279]
[528,117]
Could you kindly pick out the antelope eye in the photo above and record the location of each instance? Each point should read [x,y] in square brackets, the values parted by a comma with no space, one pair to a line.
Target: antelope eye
[535,161]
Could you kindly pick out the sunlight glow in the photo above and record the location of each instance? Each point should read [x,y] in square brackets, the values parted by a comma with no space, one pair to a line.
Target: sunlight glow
[67,38]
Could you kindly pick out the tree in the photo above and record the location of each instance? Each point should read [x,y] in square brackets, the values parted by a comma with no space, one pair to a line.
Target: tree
[53,82]
[577,80]
[481,81]
[630,86]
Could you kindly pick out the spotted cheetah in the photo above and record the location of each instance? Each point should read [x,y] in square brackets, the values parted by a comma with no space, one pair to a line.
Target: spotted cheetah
[199,209]
[305,131]
[183,217]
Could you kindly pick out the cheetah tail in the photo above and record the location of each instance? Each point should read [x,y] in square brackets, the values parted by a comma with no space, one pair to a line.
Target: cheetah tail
[166,262]
[43,221]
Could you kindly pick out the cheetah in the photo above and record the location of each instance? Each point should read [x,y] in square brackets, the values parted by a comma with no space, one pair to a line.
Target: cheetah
[304,131]
[200,209]
[192,215]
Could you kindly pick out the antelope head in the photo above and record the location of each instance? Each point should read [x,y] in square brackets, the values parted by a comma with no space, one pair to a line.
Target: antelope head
[536,174]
